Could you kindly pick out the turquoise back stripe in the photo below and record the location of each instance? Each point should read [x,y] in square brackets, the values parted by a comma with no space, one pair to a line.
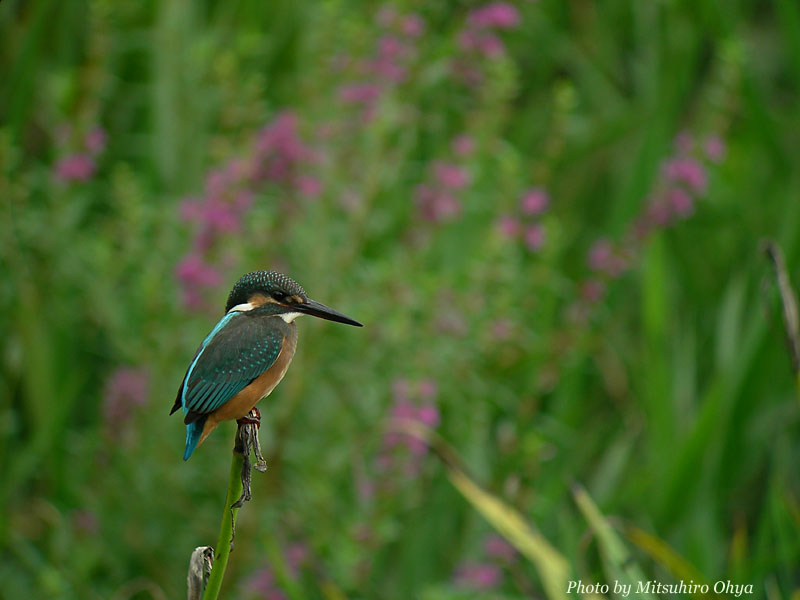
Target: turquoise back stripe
[214,332]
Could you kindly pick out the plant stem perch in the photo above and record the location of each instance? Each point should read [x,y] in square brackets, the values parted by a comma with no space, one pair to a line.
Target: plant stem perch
[238,493]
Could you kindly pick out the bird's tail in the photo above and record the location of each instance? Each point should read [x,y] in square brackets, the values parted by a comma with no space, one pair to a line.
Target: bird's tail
[193,432]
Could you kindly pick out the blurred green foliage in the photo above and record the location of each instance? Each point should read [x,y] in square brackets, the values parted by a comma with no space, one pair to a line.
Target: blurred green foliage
[662,385]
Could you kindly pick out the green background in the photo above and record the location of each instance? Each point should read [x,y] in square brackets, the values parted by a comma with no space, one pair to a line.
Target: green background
[670,397]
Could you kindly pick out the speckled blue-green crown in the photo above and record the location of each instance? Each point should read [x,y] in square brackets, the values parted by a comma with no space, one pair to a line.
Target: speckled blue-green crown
[268,282]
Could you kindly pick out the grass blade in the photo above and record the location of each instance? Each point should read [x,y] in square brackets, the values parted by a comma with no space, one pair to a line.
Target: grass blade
[619,565]
[551,565]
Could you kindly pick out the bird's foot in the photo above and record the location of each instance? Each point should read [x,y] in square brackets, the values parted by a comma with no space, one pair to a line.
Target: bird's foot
[251,418]
[261,464]
[247,440]
[251,424]
[247,429]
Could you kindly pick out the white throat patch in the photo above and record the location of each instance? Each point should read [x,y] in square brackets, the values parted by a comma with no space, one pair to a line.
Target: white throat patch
[288,317]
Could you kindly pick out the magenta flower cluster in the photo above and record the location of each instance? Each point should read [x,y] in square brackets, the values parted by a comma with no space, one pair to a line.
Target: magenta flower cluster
[80,165]
[525,224]
[482,23]
[126,389]
[480,40]
[85,522]
[279,157]
[263,583]
[478,576]
[487,574]
[412,402]
[437,198]
[389,62]
[683,179]
[400,455]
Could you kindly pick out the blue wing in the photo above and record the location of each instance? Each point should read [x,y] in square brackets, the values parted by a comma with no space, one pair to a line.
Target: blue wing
[239,349]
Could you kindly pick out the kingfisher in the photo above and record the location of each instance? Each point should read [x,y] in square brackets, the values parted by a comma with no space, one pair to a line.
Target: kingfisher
[247,352]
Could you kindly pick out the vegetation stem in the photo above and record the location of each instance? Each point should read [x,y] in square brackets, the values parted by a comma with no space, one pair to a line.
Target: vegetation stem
[227,525]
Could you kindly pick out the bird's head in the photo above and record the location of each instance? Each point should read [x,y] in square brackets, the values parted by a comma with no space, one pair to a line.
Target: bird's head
[278,294]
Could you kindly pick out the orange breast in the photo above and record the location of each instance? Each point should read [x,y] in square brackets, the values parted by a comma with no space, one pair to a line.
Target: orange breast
[261,387]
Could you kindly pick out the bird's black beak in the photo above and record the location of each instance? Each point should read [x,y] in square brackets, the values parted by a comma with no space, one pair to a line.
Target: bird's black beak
[317,309]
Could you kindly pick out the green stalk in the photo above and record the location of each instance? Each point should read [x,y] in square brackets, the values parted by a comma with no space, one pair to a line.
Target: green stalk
[223,549]
[791,312]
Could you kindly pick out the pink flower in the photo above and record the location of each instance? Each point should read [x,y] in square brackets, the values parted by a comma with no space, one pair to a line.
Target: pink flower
[534,237]
[127,388]
[428,415]
[478,576]
[466,72]
[451,322]
[386,16]
[194,271]
[388,69]
[384,462]
[463,145]
[437,205]
[400,390]
[191,209]
[389,47]
[220,216]
[714,148]
[75,167]
[217,182]
[535,201]
[446,207]
[86,522]
[262,584]
[451,176]
[280,139]
[244,200]
[359,93]
[468,40]
[490,45]
[501,329]
[684,142]
[681,202]
[600,255]
[297,555]
[501,15]
[593,290]
[308,186]
[428,388]
[96,141]
[509,226]
[497,547]
[413,26]
[659,214]
[484,43]
[687,171]
[404,410]
[350,201]
[366,489]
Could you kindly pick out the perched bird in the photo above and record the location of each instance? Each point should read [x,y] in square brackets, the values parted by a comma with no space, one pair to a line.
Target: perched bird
[246,354]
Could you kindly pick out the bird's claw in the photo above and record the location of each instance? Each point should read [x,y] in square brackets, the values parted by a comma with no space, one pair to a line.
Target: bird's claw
[251,418]
[247,440]
[261,464]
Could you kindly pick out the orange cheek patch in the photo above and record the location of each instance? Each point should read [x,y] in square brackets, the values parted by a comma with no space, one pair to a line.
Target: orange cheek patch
[260,300]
